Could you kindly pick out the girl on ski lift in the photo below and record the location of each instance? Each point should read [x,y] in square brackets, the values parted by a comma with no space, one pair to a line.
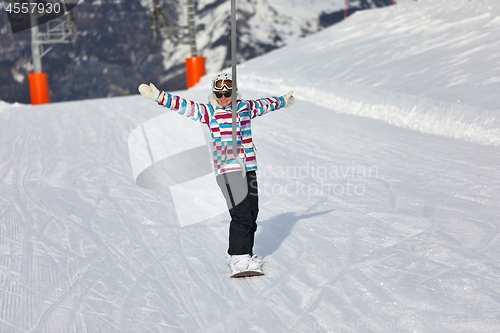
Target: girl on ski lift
[241,193]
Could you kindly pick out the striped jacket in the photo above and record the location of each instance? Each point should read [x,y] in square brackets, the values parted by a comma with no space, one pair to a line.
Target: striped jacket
[219,121]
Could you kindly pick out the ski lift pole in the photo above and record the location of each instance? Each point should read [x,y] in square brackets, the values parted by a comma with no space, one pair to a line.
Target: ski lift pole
[235,86]
[38,80]
[191,27]
[195,65]
[35,44]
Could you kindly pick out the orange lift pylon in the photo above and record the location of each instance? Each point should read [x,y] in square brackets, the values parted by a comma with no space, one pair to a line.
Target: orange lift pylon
[195,65]
[60,33]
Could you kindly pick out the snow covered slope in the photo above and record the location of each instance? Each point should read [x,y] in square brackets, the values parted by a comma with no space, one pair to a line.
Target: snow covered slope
[432,66]
[366,226]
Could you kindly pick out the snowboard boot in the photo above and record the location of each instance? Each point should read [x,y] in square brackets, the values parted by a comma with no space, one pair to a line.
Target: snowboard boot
[244,263]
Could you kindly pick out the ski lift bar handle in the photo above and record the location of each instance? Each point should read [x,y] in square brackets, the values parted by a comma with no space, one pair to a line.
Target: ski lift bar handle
[235,86]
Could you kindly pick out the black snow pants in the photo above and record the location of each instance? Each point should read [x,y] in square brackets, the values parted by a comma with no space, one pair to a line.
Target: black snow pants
[242,199]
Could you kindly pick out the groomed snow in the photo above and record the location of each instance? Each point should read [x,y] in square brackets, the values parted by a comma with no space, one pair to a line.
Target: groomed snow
[379,194]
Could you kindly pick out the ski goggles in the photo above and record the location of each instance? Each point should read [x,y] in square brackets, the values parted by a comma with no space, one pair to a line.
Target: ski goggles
[221,85]
[225,94]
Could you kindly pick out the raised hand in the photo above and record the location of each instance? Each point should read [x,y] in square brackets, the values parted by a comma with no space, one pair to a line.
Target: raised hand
[149,91]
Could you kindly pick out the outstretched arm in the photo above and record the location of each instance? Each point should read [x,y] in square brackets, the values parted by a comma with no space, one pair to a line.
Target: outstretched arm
[187,108]
[262,106]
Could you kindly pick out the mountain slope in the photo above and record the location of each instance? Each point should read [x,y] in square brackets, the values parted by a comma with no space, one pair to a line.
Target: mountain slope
[424,68]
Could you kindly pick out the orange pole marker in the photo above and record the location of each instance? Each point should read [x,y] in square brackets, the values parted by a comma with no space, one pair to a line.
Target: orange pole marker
[39,88]
[195,69]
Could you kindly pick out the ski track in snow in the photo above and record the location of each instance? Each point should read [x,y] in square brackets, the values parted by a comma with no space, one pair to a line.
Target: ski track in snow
[364,224]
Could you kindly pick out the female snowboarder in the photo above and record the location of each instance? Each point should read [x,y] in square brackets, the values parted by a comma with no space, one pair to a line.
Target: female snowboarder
[241,193]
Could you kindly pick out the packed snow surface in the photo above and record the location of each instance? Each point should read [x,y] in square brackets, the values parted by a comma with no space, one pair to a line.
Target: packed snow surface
[379,194]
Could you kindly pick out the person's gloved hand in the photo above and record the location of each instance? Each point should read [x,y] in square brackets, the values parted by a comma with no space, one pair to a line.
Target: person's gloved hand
[150,91]
[289,99]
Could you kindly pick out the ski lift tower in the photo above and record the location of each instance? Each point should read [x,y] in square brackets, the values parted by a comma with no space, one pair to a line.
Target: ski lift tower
[56,32]
[195,65]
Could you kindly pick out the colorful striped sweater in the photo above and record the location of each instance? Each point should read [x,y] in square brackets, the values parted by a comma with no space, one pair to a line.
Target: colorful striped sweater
[219,121]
